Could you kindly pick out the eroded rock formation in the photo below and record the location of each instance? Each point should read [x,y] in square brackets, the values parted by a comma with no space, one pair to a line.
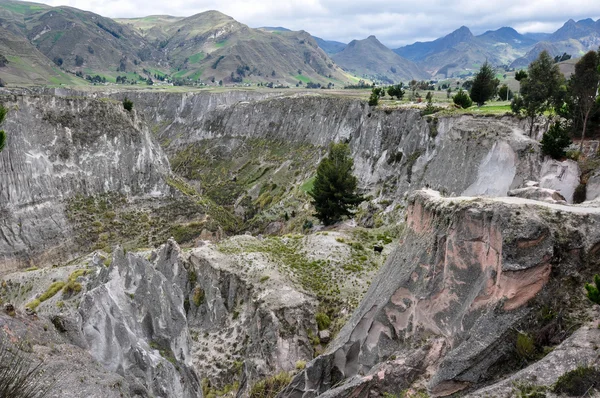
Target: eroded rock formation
[467,274]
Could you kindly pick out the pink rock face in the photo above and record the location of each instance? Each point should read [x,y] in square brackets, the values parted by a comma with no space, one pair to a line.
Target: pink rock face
[469,275]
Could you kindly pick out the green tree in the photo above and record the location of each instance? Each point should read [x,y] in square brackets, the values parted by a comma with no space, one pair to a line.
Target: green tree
[540,88]
[485,85]
[335,189]
[3,112]
[396,91]
[520,75]
[127,104]
[555,140]
[505,93]
[462,99]
[593,292]
[583,88]
[376,93]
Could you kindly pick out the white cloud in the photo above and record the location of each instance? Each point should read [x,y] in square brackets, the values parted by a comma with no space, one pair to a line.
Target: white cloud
[395,23]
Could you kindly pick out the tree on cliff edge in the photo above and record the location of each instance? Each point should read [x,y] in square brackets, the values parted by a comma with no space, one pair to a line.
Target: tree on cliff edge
[334,193]
[3,112]
[485,85]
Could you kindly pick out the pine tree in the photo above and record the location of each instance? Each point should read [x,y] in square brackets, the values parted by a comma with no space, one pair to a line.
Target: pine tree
[485,85]
[335,190]
[3,112]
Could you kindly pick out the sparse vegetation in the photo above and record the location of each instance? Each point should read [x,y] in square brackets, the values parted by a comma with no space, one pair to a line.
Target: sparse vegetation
[323,321]
[525,346]
[269,387]
[20,375]
[198,297]
[528,390]
[578,381]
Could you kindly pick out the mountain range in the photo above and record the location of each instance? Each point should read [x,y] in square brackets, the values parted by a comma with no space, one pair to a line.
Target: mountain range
[62,45]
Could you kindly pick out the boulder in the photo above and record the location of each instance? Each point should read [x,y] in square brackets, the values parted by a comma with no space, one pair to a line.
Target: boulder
[561,176]
[324,336]
[537,193]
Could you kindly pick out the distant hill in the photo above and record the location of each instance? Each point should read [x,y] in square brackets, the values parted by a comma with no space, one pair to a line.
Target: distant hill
[212,46]
[74,40]
[329,46]
[371,59]
[28,66]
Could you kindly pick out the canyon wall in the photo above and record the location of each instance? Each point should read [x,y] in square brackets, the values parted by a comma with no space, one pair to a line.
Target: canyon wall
[467,275]
[58,148]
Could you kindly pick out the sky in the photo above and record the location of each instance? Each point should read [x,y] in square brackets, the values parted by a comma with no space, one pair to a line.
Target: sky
[394,22]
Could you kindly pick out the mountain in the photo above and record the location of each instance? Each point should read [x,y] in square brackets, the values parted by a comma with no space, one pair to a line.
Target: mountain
[575,30]
[77,41]
[461,53]
[507,35]
[25,65]
[420,50]
[371,59]
[207,47]
[329,46]
[574,38]
[212,46]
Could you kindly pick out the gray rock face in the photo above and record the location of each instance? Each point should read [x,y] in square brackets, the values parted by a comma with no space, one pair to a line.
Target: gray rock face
[465,154]
[563,177]
[580,349]
[593,187]
[467,270]
[263,325]
[134,323]
[60,147]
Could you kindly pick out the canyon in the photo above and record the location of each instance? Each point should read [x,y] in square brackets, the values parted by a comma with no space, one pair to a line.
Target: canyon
[175,241]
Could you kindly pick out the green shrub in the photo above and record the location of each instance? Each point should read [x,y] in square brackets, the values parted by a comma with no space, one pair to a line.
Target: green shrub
[555,140]
[525,346]
[323,321]
[593,292]
[271,386]
[127,104]
[462,99]
[52,290]
[20,377]
[578,381]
